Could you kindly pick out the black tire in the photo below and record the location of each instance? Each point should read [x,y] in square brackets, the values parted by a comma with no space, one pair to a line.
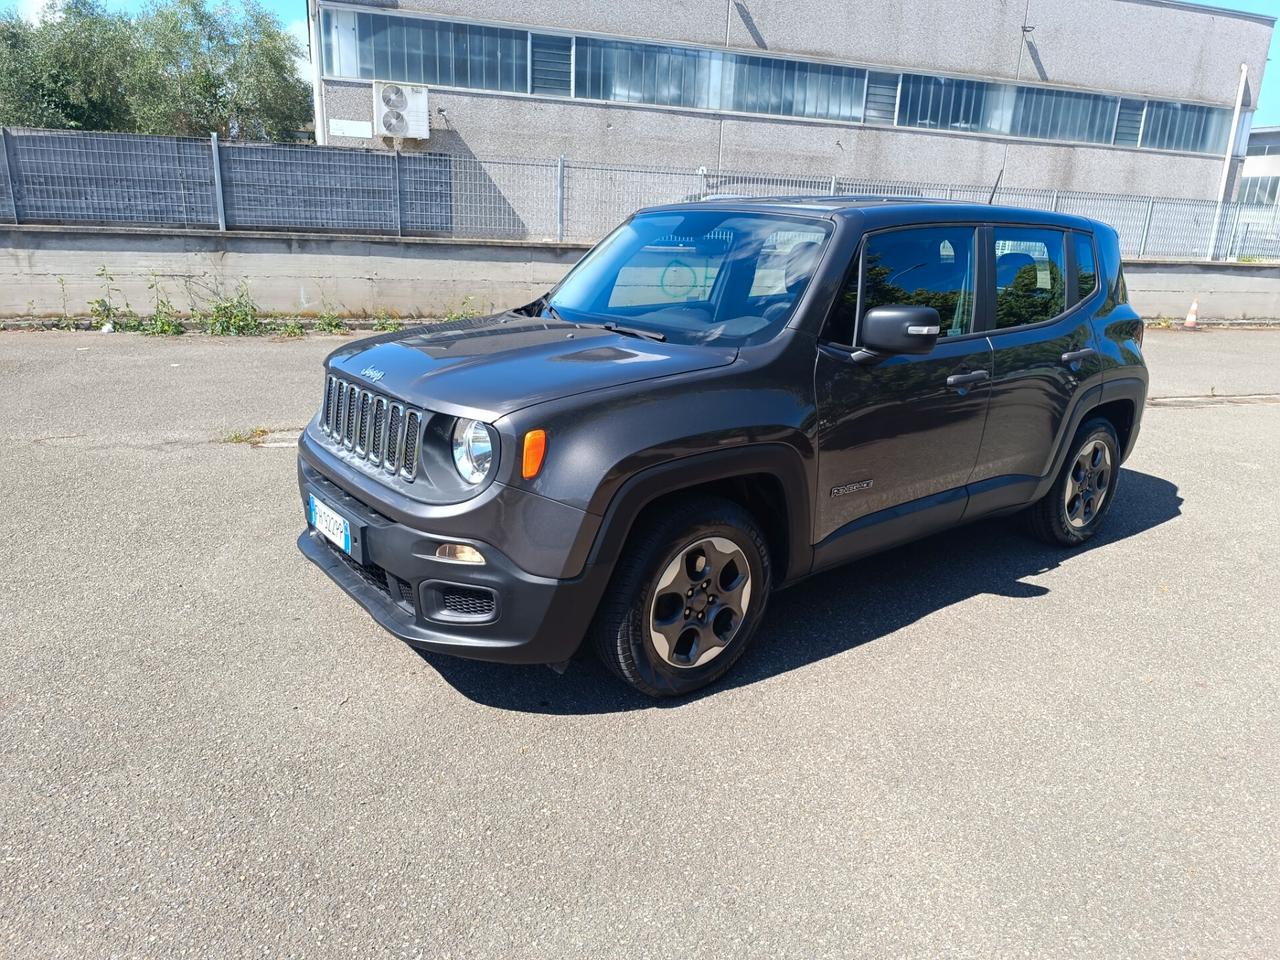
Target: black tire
[1051,518]
[621,631]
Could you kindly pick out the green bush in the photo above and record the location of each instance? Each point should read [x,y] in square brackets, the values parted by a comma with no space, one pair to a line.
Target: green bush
[464,312]
[163,323]
[103,310]
[164,320]
[330,322]
[288,328]
[384,322]
[234,316]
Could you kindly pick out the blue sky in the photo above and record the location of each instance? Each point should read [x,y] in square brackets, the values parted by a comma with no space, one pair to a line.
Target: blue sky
[292,14]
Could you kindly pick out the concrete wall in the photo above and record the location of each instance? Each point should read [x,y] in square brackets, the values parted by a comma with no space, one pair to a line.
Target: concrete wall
[45,271]
[308,274]
[1238,291]
[1155,48]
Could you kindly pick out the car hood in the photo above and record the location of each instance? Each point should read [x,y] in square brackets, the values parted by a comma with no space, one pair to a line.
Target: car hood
[489,367]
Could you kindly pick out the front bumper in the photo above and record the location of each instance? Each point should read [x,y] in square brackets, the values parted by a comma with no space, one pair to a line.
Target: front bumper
[516,616]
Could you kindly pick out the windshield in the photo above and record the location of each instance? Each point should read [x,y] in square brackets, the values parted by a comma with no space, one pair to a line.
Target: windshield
[696,276]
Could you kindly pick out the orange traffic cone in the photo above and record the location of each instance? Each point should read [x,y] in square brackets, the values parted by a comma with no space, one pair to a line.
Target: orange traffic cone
[1191,323]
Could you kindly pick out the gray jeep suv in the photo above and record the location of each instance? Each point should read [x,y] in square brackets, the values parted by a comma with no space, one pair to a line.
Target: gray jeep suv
[721,399]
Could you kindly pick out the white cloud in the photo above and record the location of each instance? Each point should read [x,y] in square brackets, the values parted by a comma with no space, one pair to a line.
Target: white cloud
[298,30]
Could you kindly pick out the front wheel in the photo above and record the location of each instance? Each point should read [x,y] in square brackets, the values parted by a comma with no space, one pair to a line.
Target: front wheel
[1075,506]
[686,597]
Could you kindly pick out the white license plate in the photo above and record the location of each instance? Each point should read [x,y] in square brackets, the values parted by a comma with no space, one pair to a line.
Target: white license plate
[332,525]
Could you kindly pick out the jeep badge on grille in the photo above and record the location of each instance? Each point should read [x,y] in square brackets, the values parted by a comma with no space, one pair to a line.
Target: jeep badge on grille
[372,374]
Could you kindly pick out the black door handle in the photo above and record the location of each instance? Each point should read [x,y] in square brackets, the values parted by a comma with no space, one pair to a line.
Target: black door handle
[1075,356]
[964,379]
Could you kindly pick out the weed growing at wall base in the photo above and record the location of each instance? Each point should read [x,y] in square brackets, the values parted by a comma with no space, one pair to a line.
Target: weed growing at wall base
[330,322]
[465,312]
[234,316]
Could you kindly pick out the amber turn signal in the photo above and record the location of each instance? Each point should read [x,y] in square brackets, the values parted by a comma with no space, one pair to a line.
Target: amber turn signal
[535,448]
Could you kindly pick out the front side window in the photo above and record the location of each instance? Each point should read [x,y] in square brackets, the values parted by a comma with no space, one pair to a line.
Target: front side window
[1030,275]
[697,276]
[923,266]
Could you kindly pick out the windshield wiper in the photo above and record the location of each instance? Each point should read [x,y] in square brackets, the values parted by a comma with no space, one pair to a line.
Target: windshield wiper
[635,332]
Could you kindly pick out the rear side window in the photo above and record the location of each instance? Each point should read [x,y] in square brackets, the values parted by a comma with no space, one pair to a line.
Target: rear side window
[1086,267]
[1030,275]
[925,266]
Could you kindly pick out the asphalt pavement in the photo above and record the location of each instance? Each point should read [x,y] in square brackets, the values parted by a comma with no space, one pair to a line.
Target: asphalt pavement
[974,746]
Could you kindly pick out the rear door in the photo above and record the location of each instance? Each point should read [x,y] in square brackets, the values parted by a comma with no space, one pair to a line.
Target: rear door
[1045,283]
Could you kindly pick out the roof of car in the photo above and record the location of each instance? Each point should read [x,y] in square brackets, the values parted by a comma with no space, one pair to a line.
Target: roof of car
[883,211]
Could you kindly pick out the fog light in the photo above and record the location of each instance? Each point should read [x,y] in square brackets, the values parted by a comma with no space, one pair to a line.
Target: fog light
[459,553]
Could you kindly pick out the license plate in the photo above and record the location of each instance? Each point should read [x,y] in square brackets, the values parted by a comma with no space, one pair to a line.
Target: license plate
[332,525]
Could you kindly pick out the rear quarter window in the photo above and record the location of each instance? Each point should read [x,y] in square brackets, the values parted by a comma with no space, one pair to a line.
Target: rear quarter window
[1086,265]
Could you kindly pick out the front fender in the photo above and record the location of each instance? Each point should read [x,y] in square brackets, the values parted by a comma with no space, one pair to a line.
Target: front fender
[779,461]
[614,451]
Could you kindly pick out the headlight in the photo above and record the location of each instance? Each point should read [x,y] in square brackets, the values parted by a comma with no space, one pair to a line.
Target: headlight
[472,450]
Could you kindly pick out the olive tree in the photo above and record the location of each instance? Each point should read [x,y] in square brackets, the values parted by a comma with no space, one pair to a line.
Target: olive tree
[182,67]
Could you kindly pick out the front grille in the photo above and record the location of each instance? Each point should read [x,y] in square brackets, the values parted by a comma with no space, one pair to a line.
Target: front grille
[468,602]
[395,420]
[349,428]
[381,431]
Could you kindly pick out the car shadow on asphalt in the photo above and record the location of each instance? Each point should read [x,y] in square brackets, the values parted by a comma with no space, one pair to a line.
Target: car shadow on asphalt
[835,611]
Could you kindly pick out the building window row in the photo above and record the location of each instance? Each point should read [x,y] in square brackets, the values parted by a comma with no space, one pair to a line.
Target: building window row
[1260,190]
[371,46]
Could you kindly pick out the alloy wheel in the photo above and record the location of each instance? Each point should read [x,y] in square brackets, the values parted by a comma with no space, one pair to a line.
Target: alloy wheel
[700,602]
[1088,484]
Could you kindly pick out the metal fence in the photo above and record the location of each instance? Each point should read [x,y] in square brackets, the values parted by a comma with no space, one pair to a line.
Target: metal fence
[63,177]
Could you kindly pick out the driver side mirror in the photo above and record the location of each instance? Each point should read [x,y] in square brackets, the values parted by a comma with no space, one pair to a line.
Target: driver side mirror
[900,328]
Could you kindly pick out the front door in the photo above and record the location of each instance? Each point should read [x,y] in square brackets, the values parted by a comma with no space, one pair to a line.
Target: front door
[1044,353]
[898,438]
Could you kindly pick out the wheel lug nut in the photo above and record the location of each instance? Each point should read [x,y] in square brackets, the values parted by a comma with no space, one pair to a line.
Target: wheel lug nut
[690,593]
[711,599]
[702,616]
[688,613]
[705,584]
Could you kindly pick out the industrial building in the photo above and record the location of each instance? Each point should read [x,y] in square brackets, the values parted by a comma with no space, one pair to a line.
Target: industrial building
[1118,96]
[1260,173]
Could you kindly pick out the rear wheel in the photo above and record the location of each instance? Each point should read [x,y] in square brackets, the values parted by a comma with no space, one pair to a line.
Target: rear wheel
[686,597]
[1076,505]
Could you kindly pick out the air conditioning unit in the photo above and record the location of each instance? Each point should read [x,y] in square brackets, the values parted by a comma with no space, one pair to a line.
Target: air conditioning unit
[400,111]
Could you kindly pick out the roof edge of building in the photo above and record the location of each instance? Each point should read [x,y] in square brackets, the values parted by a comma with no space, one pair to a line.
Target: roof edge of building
[1206,8]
